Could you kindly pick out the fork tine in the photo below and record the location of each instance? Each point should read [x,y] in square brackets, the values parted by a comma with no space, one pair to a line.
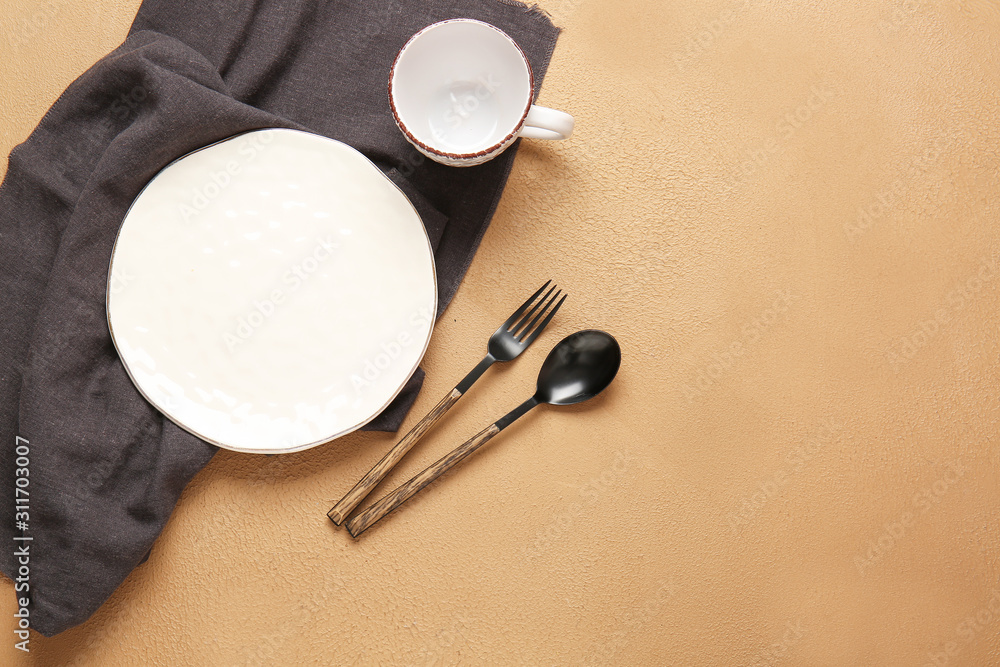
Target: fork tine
[524,306]
[546,302]
[518,328]
[537,330]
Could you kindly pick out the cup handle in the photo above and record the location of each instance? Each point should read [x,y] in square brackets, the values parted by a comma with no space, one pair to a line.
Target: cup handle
[546,123]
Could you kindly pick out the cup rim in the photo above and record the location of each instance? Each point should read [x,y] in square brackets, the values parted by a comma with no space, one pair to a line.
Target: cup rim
[460,156]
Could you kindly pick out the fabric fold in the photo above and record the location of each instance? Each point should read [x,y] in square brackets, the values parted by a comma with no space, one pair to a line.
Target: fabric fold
[106,468]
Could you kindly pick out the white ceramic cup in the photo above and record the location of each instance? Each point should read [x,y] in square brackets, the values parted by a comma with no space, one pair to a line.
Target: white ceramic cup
[461,90]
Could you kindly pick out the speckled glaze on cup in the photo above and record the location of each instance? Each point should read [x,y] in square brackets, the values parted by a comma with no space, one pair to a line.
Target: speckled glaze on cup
[461,90]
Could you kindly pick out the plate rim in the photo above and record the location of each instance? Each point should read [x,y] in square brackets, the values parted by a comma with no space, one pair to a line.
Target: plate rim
[280,450]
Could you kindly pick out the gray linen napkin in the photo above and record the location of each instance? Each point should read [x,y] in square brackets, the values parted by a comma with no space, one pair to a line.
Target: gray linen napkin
[106,468]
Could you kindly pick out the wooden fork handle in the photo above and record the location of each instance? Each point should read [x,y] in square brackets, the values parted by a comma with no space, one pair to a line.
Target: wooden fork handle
[363,521]
[361,490]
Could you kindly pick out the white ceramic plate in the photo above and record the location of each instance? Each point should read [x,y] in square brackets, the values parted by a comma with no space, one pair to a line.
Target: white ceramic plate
[272,291]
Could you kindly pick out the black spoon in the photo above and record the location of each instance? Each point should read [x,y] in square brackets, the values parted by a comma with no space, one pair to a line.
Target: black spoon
[580,367]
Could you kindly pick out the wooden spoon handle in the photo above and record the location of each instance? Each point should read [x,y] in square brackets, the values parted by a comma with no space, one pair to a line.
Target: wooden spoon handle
[363,521]
[382,468]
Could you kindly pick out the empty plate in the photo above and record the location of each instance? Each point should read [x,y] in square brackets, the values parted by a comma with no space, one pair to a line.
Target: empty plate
[272,291]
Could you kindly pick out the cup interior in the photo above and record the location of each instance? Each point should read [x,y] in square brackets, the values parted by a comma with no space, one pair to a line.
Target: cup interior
[460,87]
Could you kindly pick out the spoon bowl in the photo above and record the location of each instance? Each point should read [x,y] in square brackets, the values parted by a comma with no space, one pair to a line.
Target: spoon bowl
[580,367]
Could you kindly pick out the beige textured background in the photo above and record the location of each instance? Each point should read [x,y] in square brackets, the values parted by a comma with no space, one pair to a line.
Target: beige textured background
[798,462]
